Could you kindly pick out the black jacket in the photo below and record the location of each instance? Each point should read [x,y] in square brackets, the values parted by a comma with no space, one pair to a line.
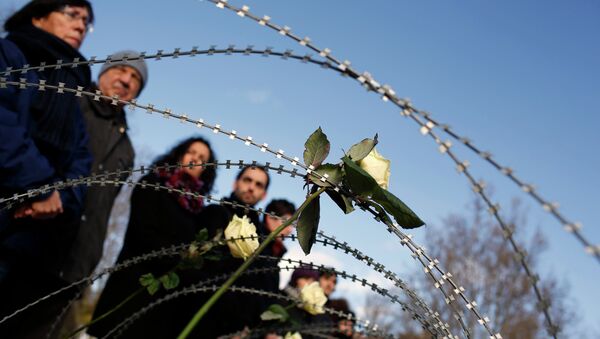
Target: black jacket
[156,221]
[236,310]
[112,150]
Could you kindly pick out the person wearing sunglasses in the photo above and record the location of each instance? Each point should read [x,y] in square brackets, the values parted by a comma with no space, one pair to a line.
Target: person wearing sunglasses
[43,140]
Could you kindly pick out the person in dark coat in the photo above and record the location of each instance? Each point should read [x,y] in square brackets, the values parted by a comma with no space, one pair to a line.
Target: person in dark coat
[301,278]
[283,209]
[111,149]
[158,219]
[235,311]
[44,141]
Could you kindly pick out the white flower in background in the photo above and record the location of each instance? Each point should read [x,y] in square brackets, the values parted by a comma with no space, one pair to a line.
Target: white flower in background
[294,335]
[378,167]
[241,227]
[192,251]
[313,298]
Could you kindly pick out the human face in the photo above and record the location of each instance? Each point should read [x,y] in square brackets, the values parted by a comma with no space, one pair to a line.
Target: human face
[251,187]
[69,24]
[273,223]
[328,284]
[301,282]
[123,81]
[198,153]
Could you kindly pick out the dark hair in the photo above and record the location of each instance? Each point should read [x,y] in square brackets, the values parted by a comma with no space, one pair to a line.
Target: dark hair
[262,168]
[339,305]
[280,207]
[302,272]
[327,273]
[174,156]
[40,9]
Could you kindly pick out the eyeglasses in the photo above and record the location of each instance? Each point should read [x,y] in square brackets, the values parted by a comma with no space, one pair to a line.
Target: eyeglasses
[74,16]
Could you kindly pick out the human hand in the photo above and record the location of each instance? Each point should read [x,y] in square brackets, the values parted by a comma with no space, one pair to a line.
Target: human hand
[43,209]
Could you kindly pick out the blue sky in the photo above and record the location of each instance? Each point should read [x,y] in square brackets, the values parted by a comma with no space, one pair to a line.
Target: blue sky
[521,79]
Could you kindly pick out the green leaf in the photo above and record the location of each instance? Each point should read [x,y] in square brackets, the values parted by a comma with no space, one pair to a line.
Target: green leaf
[150,282]
[404,216]
[170,280]
[275,312]
[359,181]
[316,148]
[334,175]
[365,186]
[147,279]
[202,235]
[362,149]
[154,287]
[381,212]
[341,200]
[308,224]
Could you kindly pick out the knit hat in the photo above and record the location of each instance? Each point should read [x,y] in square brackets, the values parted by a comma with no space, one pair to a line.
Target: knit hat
[123,58]
[303,272]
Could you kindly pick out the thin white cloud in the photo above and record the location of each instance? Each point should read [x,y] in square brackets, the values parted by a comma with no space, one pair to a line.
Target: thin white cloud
[258,96]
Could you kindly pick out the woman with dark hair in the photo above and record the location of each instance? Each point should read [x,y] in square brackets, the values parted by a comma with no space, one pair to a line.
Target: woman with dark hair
[158,219]
[43,140]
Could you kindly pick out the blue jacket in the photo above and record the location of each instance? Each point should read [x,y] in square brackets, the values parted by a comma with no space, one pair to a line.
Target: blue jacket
[26,162]
[22,165]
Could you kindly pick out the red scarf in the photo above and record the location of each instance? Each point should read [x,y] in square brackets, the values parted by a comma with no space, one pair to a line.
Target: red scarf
[181,180]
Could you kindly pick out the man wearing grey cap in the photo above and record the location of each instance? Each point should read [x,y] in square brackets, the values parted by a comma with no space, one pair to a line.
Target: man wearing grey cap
[124,76]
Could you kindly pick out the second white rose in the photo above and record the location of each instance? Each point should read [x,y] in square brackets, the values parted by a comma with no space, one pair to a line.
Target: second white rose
[313,298]
[241,227]
[378,167]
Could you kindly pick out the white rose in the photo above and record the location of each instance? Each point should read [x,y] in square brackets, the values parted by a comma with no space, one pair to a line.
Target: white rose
[378,167]
[313,298]
[192,251]
[294,335]
[241,227]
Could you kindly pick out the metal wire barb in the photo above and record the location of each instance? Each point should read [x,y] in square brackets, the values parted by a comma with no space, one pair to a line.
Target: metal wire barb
[407,109]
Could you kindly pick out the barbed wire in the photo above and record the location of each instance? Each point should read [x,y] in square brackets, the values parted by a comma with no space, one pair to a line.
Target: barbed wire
[176,53]
[407,109]
[105,178]
[371,84]
[426,128]
[200,287]
[176,251]
[416,250]
[357,254]
[366,80]
[318,327]
[443,146]
[437,323]
[163,252]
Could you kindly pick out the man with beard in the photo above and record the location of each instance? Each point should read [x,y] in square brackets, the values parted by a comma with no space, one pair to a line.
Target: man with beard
[234,311]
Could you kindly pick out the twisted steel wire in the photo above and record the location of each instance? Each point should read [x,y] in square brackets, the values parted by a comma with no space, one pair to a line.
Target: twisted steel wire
[388,94]
[200,287]
[407,109]
[365,79]
[176,250]
[105,178]
[167,113]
